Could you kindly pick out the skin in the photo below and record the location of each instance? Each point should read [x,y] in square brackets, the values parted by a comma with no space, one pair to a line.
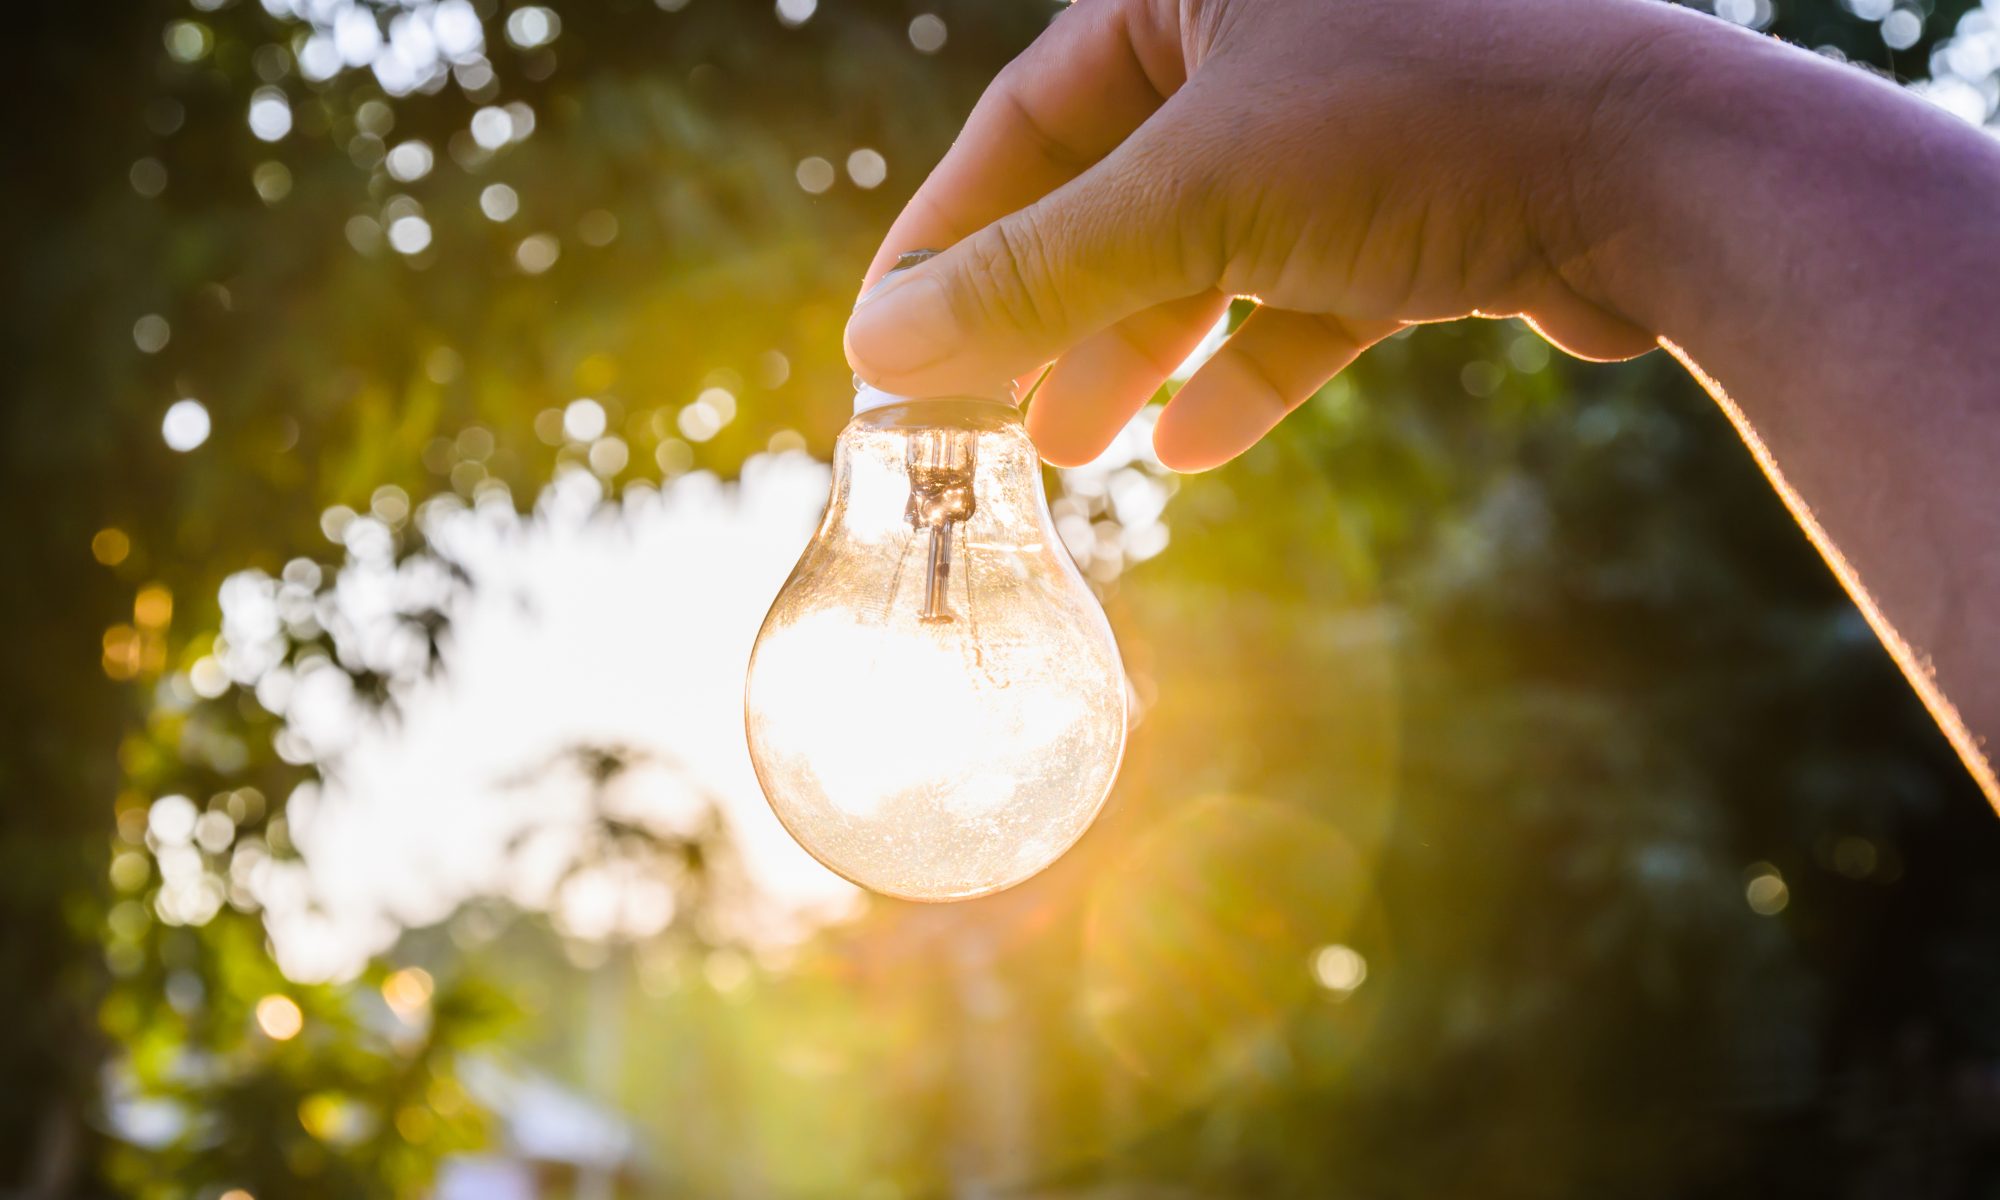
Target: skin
[1819,248]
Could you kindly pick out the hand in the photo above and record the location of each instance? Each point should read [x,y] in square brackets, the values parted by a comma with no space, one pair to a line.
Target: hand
[1815,243]
[1355,166]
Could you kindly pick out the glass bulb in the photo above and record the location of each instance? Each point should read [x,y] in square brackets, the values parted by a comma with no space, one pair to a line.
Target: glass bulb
[935,704]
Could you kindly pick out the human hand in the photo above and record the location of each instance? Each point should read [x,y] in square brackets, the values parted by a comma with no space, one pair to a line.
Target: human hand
[1355,166]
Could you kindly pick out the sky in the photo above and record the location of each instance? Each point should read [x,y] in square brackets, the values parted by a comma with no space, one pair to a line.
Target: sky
[628,625]
[624,625]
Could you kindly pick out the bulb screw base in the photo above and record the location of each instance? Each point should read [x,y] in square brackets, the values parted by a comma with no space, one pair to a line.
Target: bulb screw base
[868,397]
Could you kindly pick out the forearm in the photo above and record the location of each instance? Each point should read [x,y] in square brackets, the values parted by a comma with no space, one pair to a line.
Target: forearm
[1825,250]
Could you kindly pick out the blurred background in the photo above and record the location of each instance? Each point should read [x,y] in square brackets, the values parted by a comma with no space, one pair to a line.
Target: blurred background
[415,405]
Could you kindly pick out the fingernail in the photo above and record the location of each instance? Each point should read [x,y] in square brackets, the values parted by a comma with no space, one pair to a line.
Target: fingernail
[904,261]
[874,290]
[904,326]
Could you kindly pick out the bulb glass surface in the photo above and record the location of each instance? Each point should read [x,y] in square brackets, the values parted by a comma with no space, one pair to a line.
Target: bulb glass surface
[935,705]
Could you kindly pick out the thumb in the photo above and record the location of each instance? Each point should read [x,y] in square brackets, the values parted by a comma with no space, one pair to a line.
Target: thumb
[1115,240]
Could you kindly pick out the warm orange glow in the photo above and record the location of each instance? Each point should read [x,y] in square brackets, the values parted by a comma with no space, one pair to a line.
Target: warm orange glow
[918,680]
[110,546]
[153,607]
[279,1017]
[122,652]
[936,736]
[408,992]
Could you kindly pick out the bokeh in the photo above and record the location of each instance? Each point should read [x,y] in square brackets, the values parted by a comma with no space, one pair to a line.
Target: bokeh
[414,405]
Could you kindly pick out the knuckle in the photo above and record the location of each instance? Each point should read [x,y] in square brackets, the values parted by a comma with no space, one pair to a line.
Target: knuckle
[1014,93]
[1187,180]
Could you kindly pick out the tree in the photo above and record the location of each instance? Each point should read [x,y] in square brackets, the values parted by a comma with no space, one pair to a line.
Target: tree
[378,290]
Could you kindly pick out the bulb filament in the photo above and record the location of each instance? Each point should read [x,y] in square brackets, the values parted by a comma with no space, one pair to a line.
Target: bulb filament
[941,463]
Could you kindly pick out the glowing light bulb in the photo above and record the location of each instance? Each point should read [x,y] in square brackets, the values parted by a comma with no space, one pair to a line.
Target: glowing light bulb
[935,704]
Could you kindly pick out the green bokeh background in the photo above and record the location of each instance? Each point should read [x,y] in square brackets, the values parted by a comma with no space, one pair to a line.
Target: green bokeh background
[1507,671]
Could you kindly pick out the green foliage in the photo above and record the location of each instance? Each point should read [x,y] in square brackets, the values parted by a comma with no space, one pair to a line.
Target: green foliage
[1524,650]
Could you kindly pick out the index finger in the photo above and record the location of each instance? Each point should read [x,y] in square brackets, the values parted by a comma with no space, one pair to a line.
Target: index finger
[1092,77]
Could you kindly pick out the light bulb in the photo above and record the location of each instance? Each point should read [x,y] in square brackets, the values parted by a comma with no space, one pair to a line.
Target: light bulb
[935,704]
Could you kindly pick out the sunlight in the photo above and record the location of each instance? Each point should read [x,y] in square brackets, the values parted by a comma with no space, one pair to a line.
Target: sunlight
[910,686]
[626,627]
